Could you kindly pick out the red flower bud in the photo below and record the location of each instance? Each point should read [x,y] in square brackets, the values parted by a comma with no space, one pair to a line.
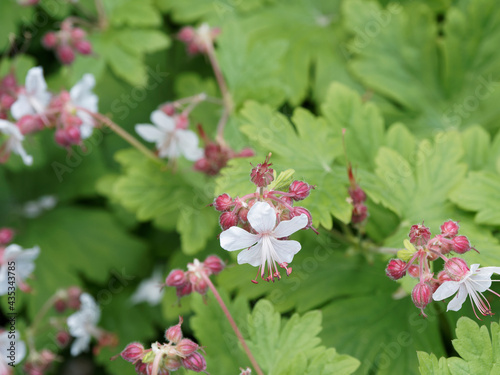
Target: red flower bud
[214,264]
[186,34]
[83,46]
[168,109]
[357,194]
[223,202]
[186,347]
[65,54]
[443,276]
[243,214]
[174,333]
[396,269]
[172,363]
[30,123]
[228,220]
[184,290]
[6,235]
[421,296]
[456,268]
[176,278]
[77,33]
[359,213]
[200,285]
[195,362]
[262,175]
[141,368]
[133,352]
[461,244]
[300,190]
[49,40]
[419,234]
[63,338]
[74,294]
[450,228]
[413,271]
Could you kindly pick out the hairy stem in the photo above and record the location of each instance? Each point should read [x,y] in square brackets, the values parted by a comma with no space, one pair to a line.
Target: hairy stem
[233,325]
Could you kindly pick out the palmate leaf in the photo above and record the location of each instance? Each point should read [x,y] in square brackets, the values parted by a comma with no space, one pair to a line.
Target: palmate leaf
[479,352]
[171,200]
[280,347]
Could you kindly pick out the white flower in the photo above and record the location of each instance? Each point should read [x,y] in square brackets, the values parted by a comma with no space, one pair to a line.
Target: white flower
[264,246]
[33,209]
[23,263]
[170,141]
[35,98]
[149,290]
[14,142]
[83,324]
[474,283]
[82,96]
[7,356]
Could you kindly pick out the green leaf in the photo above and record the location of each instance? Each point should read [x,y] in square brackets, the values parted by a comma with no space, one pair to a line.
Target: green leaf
[142,41]
[429,364]
[12,15]
[132,13]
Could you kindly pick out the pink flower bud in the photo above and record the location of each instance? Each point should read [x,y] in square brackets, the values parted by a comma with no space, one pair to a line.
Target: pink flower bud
[223,203]
[246,153]
[63,338]
[83,46]
[168,109]
[300,190]
[60,305]
[65,54]
[243,214]
[461,244]
[359,213]
[421,296]
[174,333]
[73,134]
[357,194]
[133,352]
[186,347]
[184,290]
[450,228]
[228,220]
[200,286]
[396,269]
[172,363]
[6,101]
[141,368]
[176,278]
[214,264]
[202,165]
[186,34]
[262,175]
[181,122]
[413,271]
[456,268]
[443,277]
[419,234]
[6,235]
[49,40]
[61,138]
[195,362]
[74,294]
[77,33]
[30,124]
[9,82]
[287,200]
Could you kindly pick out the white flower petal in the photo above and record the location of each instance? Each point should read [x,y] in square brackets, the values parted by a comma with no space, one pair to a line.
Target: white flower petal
[252,256]
[236,238]
[149,290]
[287,227]
[81,344]
[285,249]
[188,144]
[445,290]
[35,82]
[149,133]
[480,281]
[89,306]
[457,302]
[81,94]
[21,107]
[262,217]
[164,122]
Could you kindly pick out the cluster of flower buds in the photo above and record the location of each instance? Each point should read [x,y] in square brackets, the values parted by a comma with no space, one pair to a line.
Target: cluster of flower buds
[420,250]
[216,155]
[162,359]
[199,40]
[39,363]
[194,279]
[6,236]
[67,42]
[234,211]
[68,299]
[8,94]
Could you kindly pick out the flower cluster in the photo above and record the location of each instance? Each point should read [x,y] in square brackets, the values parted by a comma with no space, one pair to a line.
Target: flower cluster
[357,199]
[198,40]
[216,154]
[421,249]
[14,260]
[194,279]
[262,222]
[67,42]
[167,357]
[34,108]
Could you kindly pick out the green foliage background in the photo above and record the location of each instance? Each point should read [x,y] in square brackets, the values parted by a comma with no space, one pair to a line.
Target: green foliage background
[416,85]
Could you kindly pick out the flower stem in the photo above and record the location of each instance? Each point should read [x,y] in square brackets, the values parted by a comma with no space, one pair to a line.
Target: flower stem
[122,133]
[233,325]
[156,363]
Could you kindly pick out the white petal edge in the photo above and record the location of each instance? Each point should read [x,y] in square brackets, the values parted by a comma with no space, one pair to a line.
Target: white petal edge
[164,122]
[262,217]
[188,144]
[149,132]
[445,290]
[285,249]
[236,238]
[21,107]
[252,256]
[287,227]
[457,302]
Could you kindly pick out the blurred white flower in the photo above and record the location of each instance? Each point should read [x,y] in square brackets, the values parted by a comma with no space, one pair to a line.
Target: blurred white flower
[13,143]
[83,324]
[171,140]
[82,96]
[149,290]
[32,209]
[34,98]
[23,261]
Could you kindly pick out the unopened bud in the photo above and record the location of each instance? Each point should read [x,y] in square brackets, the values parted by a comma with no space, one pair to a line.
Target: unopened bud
[421,295]
[184,290]
[133,352]
[300,190]
[359,213]
[228,220]
[181,122]
[77,33]
[174,333]
[176,278]
[200,286]
[65,54]
[186,34]
[396,269]
[186,347]
[223,202]
[413,271]
[49,40]
[83,46]
[6,235]
[443,277]
[461,244]
[74,294]
[456,268]
[30,123]
[450,228]
[195,362]
[214,264]
[168,109]
[419,234]
[141,368]
[63,338]
[262,175]
[243,214]
[357,195]
[172,363]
